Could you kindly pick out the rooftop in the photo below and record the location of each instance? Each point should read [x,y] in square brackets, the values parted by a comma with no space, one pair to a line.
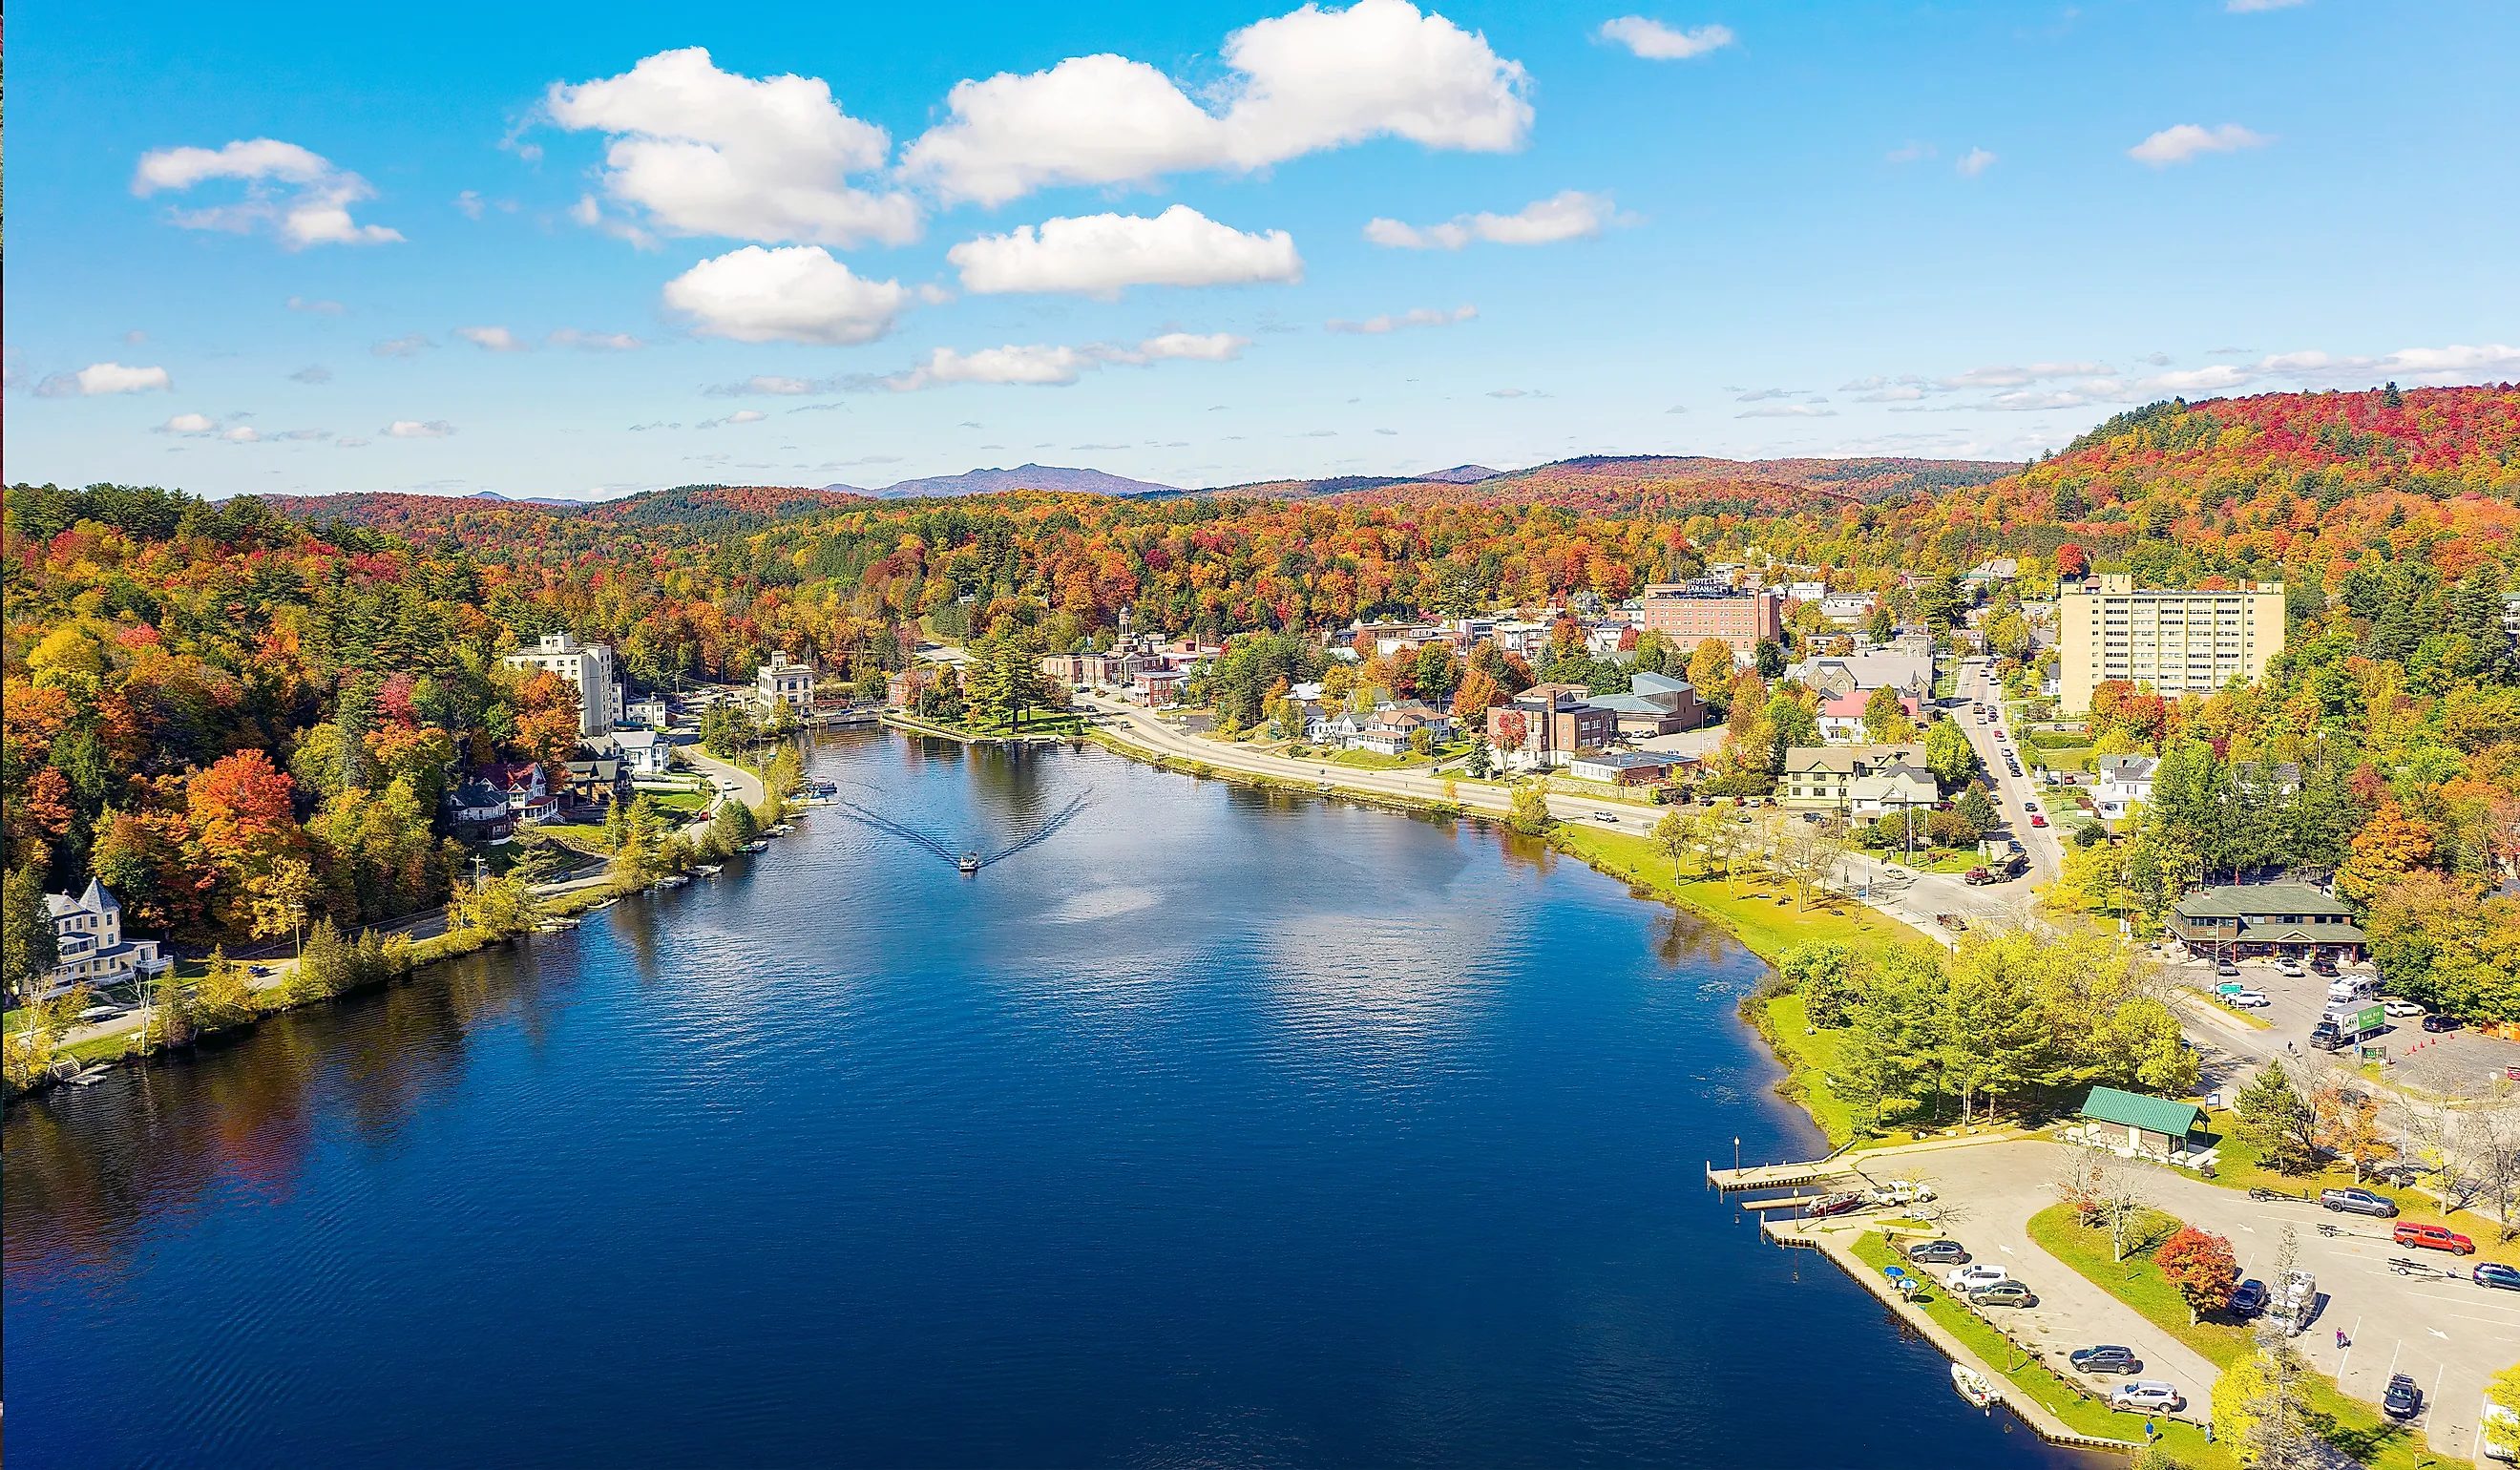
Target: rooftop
[2158,1115]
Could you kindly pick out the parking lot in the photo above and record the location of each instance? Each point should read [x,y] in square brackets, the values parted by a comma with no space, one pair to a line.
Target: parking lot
[2458,1063]
[2449,1335]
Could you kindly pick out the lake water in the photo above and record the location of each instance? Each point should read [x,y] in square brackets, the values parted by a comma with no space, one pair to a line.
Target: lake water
[1215,1129]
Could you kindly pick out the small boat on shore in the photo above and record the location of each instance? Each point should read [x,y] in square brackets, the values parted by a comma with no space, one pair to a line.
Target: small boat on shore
[672,880]
[1972,1386]
[756,845]
[710,869]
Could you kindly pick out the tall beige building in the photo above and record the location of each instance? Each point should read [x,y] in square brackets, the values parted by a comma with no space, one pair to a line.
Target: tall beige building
[2176,641]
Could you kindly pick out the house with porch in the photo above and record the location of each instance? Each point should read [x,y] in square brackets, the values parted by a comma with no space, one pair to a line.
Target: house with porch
[90,945]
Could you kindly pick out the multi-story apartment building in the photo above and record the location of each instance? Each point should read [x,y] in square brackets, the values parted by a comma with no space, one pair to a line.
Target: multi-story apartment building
[1690,613]
[1549,724]
[589,666]
[2176,641]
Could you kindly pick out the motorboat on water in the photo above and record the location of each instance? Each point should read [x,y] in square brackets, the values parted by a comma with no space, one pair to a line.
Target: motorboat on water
[710,869]
[1972,1385]
[969,863]
[672,880]
[756,845]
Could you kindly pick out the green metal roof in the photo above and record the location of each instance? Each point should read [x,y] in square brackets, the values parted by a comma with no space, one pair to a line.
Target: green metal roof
[2250,899]
[2158,1115]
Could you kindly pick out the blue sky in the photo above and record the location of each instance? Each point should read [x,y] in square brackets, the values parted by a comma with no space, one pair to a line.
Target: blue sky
[566,254]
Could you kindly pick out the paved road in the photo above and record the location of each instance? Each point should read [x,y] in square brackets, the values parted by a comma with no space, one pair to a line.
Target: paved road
[2016,797]
[2451,1336]
[744,782]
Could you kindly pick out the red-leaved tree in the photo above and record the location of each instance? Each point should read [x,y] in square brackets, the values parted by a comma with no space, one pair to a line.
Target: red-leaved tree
[2201,1266]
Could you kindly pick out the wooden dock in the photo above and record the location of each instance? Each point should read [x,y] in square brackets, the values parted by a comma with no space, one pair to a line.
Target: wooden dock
[1776,1176]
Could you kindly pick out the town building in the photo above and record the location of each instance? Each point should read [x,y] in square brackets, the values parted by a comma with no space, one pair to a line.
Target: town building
[1690,613]
[1826,775]
[1621,768]
[2131,1124]
[477,810]
[644,752]
[1158,688]
[2265,921]
[1392,729]
[1066,668]
[598,782]
[1997,571]
[778,682]
[647,710]
[1549,724]
[1911,673]
[2120,784]
[2176,641]
[529,796]
[1842,716]
[1847,609]
[1890,789]
[1656,704]
[588,666]
[901,690]
[92,949]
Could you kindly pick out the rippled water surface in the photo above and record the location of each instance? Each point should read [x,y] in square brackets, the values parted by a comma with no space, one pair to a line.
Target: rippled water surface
[1216,1128]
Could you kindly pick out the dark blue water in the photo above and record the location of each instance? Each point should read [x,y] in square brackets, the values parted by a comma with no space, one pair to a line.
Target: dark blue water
[1216,1129]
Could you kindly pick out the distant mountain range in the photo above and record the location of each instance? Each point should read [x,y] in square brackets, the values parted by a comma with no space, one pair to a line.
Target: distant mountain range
[1021,477]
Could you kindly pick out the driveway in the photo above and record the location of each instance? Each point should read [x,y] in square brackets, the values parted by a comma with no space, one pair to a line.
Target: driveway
[2449,1335]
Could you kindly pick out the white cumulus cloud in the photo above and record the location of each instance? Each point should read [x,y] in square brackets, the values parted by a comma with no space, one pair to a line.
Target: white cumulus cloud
[1101,254]
[705,151]
[188,424]
[413,428]
[1975,161]
[1570,215]
[1057,366]
[2178,145]
[596,341]
[298,195]
[98,379]
[1305,81]
[2010,376]
[243,433]
[1421,316]
[1656,42]
[796,294]
[494,338]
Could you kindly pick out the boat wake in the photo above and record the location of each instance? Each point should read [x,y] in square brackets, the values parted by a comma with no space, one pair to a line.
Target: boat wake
[968,861]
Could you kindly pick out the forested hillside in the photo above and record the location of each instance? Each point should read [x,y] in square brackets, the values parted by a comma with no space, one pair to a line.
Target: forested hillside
[195,692]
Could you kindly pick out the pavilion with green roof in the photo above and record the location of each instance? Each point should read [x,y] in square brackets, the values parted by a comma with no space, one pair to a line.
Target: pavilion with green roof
[2154,1126]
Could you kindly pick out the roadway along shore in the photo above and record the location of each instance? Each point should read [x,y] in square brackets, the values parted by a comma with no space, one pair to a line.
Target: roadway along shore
[1912,897]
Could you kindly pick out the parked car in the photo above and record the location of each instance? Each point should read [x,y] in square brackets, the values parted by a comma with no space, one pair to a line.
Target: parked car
[2323,966]
[2248,1299]
[2030,806]
[2004,1294]
[1971,1277]
[2147,1395]
[2226,970]
[2038,821]
[2432,1238]
[2290,969]
[1840,1203]
[2247,1000]
[1938,1253]
[1902,1192]
[2495,1275]
[1609,816]
[2439,1022]
[2402,1400]
[2105,1358]
[2358,1202]
[2397,1008]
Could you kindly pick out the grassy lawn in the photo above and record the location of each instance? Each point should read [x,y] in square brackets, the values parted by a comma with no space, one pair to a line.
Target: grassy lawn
[1375,760]
[2352,1427]
[679,801]
[1810,1056]
[2033,1380]
[1762,915]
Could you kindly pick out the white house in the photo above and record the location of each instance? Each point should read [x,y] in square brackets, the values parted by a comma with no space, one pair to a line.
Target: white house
[647,710]
[589,666]
[88,932]
[1891,790]
[2123,782]
[644,752]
